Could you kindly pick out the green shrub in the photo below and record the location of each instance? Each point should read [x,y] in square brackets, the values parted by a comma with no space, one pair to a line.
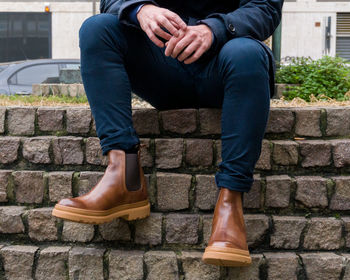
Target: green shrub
[327,77]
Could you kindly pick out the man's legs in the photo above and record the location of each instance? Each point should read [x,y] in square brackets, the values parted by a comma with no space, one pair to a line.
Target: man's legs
[116,59]
[240,71]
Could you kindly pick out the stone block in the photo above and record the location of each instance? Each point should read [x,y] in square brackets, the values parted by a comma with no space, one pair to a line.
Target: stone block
[118,229]
[68,150]
[18,261]
[252,199]
[194,268]
[341,197]
[149,230]
[182,228]
[199,152]
[207,226]
[29,186]
[264,161]
[146,154]
[169,153]
[281,120]
[9,149]
[36,149]
[250,272]
[181,121]
[338,121]
[2,119]
[78,120]
[278,189]
[20,120]
[125,265]
[323,233]
[52,263]
[50,119]
[322,266]
[341,152]
[218,149]
[77,232]
[85,263]
[60,185]
[94,152]
[307,121]
[161,265]
[173,191]
[287,232]
[311,191]
[145,121]
[4,182]
[210,121]
[206,192]
[315,153]
[257,226]
[282,266]
[10,219]
[285,152]
[42,225]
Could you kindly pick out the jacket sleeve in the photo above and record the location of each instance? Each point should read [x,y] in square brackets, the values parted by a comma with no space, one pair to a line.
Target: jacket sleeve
[255,18]
[122,9]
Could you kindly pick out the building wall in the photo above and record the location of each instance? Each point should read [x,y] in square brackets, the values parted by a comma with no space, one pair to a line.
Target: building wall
[67,18]
[300,36]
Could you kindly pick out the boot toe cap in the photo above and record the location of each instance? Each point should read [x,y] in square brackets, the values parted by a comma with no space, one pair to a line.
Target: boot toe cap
[71,202]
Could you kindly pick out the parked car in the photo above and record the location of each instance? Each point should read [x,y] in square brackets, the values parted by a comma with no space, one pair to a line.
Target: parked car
[19,76]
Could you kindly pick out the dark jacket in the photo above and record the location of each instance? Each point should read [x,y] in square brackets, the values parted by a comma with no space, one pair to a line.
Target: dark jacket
[256,19]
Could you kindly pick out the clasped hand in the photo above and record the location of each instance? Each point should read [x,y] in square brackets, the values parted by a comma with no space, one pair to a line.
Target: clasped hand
[185,43]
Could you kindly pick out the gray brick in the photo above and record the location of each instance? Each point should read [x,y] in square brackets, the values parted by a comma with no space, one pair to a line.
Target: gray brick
[78,120]
[145,121]
[257,226]
[60,185]
[315,152]
[173,191]
[118,229]
[338,121]
[77,232]
[285,152]
[278,191]
[252,199]
[181,121]
[210,121]
[264,161]
[307,121]
[36,149]
[282,266]
[94,152]
[68,150]
[341,197]
[20,120]
[4,181]
[149,230]
[182,228]
[50,119]
[9,149]
[312,191]
[169,153]
[126,265]
[2,119]
[199,152]
[161,265]
[281,120]
[29,186]
[10,219]
[42,225]
[85,263]
[247,272]
[341,152]
[206,192]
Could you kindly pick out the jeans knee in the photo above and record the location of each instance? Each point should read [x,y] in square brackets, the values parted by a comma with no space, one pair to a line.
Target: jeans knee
[94,28]
[244,54]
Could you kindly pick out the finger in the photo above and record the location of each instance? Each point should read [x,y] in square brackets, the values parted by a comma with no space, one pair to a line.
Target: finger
[161,33]
[183,43]
[153,38]
[173,29]
[190,49]
[171,45]
[174,17]
[195,56]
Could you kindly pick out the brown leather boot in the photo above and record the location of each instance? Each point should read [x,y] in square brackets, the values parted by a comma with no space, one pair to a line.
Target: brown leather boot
[121,192]
[228,241]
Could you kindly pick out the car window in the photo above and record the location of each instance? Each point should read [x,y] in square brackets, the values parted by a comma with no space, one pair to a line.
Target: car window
[35,74]
[3,67]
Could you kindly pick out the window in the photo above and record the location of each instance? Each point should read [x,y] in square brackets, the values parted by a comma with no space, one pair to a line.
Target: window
[24,35]
[34,74]
[343,35]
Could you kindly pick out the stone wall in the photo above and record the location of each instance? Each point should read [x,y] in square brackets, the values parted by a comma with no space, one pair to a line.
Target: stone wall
[297,213]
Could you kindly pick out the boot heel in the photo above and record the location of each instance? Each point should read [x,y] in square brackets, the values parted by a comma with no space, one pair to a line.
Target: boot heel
[138,213]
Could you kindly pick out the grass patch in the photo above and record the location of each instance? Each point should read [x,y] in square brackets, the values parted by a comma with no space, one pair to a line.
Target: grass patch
[36,100]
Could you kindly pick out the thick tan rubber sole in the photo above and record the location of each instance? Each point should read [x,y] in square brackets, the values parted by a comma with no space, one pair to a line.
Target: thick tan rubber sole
[224,256]
[129,212]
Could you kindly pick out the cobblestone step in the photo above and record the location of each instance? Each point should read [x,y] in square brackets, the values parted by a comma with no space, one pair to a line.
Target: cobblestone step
[284,123]
[183,230]
[273,194]
[76,262]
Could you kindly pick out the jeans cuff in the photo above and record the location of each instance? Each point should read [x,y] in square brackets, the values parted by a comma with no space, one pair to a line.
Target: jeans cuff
[233,183]
[124,139]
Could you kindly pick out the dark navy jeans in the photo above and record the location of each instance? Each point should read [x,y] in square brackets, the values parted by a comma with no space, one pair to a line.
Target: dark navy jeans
[117,59]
